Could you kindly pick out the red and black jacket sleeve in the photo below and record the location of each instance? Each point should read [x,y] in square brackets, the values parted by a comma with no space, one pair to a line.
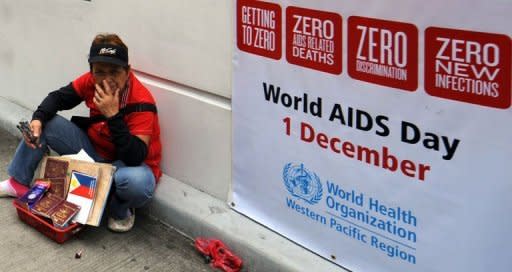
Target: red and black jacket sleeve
[64,98]
[129,148]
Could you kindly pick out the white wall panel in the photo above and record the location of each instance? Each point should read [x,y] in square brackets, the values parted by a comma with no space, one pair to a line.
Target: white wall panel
[196,136]
[43,45]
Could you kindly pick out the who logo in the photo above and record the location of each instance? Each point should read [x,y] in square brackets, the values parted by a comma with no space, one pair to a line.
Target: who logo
[302,183]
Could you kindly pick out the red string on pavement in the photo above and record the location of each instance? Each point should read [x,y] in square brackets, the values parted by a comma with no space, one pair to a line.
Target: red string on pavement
[218,254]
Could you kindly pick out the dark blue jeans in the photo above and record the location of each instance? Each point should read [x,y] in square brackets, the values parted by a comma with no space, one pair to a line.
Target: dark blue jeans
[133,186]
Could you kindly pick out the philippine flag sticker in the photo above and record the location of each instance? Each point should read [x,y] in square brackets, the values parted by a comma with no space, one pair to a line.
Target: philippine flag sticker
[82,185]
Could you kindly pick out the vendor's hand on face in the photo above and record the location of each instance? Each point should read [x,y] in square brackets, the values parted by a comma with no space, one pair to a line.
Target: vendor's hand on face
[110,81]
[106,99]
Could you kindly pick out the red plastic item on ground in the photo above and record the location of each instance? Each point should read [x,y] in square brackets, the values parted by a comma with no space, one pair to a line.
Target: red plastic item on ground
[45,227]
[218,254]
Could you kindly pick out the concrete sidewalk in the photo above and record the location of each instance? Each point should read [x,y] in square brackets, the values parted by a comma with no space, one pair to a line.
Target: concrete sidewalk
[150,246]
[177,204]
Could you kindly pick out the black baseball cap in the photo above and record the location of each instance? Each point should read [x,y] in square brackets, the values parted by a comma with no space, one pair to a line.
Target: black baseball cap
[108,53]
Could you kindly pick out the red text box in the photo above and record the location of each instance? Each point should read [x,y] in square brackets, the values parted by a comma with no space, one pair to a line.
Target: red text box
[383,52]
[313,39]
[468,66]
[259,28]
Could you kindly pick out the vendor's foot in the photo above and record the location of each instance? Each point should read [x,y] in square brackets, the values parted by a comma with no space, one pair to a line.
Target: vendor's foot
[12,188]
[122,225]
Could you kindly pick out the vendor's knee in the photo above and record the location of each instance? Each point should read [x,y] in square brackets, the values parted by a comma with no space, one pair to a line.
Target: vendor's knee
[55,124]
[134,185]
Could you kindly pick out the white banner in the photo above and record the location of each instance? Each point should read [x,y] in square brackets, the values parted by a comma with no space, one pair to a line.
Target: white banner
[376,133]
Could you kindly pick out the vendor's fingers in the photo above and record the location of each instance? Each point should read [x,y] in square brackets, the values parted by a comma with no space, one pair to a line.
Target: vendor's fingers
[36,127]
[99,87]
[99,95]
[96,100]
[96,96]
[116,94]
[99,90]
[26,139]
[106,85]
[29,142]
